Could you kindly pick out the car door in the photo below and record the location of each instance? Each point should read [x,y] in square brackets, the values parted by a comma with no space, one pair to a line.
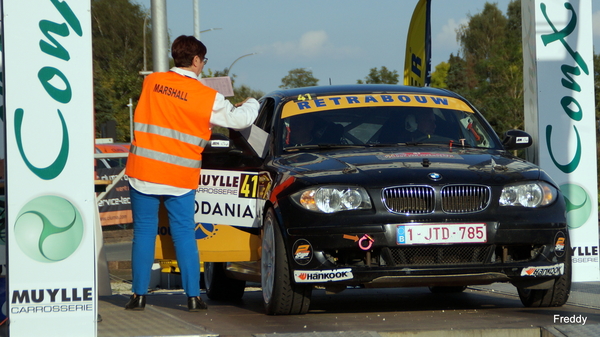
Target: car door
[230,196]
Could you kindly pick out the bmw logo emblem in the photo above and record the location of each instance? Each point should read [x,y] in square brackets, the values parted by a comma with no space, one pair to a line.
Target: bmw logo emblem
[434,176]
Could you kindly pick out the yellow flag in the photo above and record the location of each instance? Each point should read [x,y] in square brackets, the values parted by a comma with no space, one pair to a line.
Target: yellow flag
[417,62]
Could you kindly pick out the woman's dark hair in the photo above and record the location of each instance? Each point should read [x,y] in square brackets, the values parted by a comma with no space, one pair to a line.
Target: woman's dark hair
[184,49]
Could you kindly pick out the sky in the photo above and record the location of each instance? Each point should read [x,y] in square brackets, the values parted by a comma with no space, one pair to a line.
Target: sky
[339,41]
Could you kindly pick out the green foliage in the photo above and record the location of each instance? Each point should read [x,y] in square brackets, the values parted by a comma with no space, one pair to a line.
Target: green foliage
[298,78]
[118,44]
[489,70]
[382,76]
[242,92]
[438,77]
[118,57]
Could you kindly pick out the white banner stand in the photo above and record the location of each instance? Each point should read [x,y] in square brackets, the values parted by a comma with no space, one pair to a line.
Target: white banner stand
[49,134]
[560,115]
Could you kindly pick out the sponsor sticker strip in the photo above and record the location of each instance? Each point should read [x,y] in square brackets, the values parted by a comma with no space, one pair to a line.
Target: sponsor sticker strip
[308,103]
[315,276]
[555,270]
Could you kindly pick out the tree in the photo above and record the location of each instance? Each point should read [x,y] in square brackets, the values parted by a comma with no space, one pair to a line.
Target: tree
[438,77]
[298,78]
[489,69]
[380,76]
[118,45]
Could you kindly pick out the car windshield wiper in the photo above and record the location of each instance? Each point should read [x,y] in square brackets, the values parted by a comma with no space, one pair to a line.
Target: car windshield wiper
[424,143]
[453,144]
[321,147]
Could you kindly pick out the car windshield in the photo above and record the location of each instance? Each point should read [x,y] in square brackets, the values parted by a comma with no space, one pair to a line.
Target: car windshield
[382,120]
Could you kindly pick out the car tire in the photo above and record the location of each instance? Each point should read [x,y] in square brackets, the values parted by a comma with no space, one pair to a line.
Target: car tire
[555,296]
[219,287]
[281,295]
[447,289]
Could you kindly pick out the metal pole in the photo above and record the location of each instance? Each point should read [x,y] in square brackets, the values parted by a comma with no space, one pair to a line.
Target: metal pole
[197,19]
[160,47]
[130,105]
[145,26]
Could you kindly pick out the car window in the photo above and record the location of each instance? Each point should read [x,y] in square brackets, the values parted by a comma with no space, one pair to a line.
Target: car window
[265,114]
[375,122]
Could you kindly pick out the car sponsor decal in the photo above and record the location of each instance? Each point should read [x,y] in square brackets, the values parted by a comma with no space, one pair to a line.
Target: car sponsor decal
[522,140]
[303,252]
[314,276]
[312,103]
[230,197]
[559,246]
[555,270]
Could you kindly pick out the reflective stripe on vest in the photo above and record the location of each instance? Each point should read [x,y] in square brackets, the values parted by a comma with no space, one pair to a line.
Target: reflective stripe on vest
[183,137]
[164,157]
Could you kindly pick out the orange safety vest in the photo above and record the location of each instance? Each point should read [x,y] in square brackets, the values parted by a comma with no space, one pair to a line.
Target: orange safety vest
[171,129]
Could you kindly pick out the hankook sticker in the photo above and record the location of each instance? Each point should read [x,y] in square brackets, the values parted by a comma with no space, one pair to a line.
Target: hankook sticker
[555,270]
[314,276]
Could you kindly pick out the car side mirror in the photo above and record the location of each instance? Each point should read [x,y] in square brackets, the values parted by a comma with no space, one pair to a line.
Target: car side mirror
[516,139]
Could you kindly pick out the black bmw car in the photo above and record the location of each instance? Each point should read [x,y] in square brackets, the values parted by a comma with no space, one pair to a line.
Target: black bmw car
[392,186]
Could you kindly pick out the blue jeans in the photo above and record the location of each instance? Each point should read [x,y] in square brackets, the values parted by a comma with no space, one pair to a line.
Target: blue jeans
[145,228]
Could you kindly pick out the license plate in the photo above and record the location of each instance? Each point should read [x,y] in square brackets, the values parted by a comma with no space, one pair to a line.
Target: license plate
[441,233]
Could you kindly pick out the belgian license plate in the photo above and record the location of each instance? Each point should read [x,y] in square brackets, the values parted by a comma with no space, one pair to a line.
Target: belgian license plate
[441,233]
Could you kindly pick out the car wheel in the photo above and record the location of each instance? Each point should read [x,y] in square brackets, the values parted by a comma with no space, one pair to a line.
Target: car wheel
[219,287]
[281,295]
[556,296]
[447,289]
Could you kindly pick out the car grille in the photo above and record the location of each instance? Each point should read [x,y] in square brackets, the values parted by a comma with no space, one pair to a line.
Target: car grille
[409,199]
[440,255]
[465,198]
[455,199]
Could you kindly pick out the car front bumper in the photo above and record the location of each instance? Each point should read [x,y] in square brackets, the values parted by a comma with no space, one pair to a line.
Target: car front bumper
[528,256]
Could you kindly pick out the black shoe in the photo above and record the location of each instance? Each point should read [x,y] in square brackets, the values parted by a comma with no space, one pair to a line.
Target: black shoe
[196,304]
[136,302]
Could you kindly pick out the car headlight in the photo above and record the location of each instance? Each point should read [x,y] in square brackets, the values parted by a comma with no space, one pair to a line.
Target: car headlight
[530,194]
[331,199]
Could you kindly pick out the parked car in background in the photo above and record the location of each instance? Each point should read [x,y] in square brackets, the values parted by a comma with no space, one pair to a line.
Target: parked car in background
[115,204]
[109,147]
[381,186]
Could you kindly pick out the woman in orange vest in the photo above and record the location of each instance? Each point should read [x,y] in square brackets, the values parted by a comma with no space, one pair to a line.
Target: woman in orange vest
[172,125]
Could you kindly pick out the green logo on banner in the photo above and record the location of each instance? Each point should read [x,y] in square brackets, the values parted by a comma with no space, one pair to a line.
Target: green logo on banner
[48,229]
[579,205]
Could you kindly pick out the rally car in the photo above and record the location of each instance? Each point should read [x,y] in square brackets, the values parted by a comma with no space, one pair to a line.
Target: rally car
[383,186]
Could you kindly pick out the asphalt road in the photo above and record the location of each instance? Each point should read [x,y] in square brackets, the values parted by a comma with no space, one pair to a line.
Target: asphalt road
[376,311]
[118,251]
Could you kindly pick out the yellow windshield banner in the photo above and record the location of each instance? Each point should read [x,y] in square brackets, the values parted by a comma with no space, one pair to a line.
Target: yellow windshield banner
[307,103]
[417,62]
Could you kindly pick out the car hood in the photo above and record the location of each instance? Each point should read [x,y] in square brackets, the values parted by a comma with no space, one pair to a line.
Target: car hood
[408,165]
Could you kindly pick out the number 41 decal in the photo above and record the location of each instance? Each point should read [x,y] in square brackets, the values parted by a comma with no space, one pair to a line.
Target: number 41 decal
[305,97]
[249,187]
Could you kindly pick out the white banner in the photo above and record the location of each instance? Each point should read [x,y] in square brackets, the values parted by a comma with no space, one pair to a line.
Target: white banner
[50,188]
[560,115]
